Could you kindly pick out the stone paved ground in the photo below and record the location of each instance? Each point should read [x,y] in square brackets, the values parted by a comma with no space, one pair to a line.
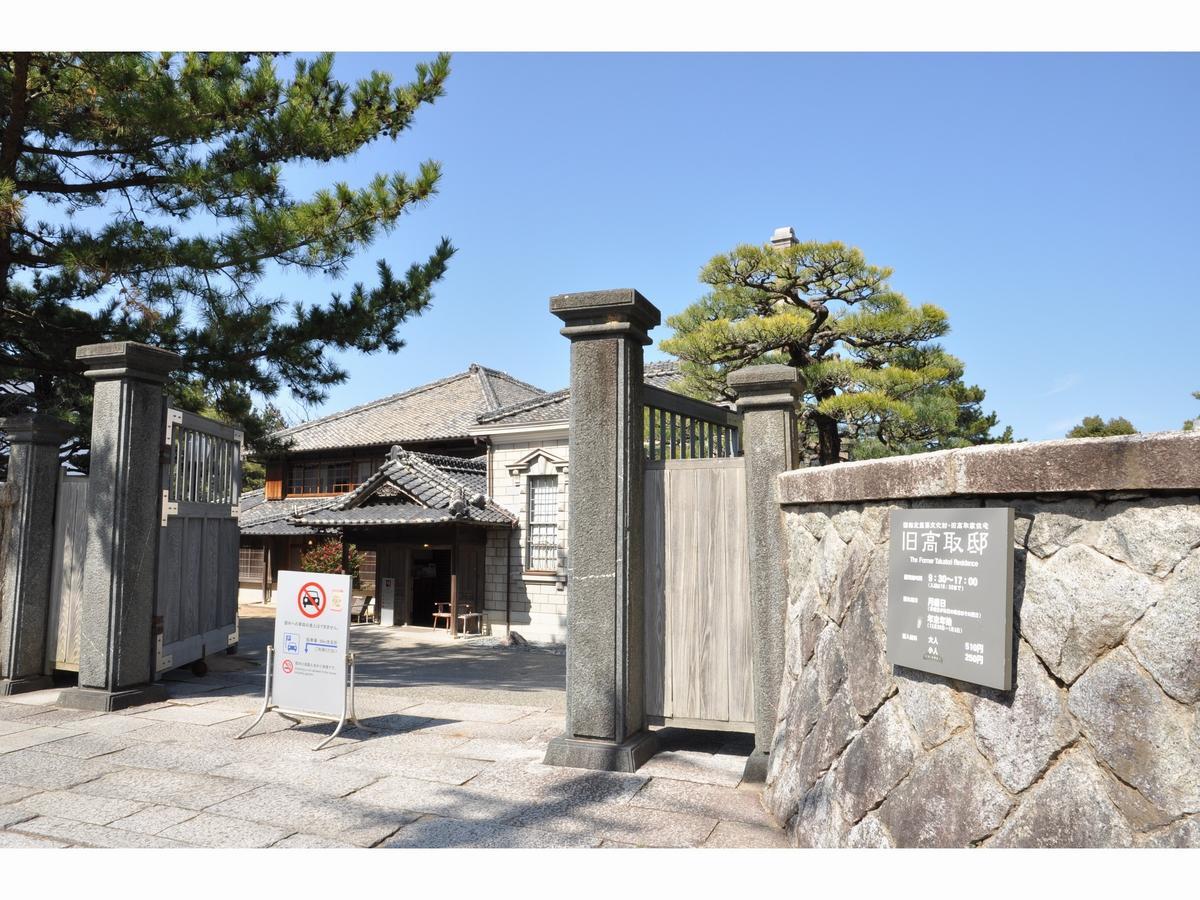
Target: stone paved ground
[456,763]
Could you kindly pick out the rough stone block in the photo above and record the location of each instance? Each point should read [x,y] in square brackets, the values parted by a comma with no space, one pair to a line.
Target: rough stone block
[1020,731]
[1055,525]
[1067,808]
[1139,732]
[880,756]
[1167,638]
[820,821]
[869,676]
[836,726]
[950,800]
[932,705]
[869,834]
[1184,833]
[1079,604]
[1151,534]
[850,577]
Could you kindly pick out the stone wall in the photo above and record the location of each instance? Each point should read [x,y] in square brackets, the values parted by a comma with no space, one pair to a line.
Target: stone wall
[1098,744]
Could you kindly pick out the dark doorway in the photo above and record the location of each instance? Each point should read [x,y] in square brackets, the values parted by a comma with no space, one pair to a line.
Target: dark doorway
[430,581]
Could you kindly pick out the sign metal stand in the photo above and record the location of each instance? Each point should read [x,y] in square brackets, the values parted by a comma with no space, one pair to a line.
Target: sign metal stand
[347,712]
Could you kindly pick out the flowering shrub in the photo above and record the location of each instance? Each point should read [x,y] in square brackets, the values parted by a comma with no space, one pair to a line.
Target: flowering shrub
[327,557]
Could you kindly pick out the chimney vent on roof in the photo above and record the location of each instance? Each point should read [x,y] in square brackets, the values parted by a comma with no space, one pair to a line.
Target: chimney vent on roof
[784,237]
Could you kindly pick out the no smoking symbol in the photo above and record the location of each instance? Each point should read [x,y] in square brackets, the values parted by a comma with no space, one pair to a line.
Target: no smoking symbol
[311,600]
[287,667]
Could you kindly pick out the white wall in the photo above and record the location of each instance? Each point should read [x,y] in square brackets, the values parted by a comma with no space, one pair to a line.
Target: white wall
[538,603]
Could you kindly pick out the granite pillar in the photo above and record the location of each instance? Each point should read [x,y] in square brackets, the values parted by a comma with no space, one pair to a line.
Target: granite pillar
[767,398]
[606,711]
[28,544]
[116,654]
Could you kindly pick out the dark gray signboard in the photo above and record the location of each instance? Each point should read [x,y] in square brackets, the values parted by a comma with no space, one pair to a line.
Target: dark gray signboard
[950,592]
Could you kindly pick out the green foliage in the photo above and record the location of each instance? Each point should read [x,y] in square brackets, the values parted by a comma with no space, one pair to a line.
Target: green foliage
[1094,426]
[143,197]
[326,557]
[1190,424]
[874,382]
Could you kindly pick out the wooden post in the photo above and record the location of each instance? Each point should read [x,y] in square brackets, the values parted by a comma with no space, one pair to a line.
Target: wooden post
[454,585]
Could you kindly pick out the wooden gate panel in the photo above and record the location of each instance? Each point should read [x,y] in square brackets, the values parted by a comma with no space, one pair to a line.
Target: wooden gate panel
[198,544]
[698,648]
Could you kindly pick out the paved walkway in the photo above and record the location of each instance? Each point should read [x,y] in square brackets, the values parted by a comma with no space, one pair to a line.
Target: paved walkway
[456,763]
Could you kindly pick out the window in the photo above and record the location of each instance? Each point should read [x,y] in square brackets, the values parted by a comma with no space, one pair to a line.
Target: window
[366,571]
[321,478]
[541,544]
[250,564]
[339,476]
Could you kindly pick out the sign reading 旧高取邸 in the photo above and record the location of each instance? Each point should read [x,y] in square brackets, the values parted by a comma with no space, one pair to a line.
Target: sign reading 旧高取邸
[950,591]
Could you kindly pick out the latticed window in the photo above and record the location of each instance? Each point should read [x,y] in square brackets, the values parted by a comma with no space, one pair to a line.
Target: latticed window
[250,564]
[541,545]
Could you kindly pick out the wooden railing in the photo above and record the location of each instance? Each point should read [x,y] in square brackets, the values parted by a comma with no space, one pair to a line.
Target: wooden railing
[678,427]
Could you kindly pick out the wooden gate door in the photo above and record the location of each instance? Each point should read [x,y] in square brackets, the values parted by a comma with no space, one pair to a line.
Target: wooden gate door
[66,573]
[196,604]
[698,648]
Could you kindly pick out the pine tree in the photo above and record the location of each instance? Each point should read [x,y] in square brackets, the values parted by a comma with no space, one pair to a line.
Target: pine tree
[1190,424]
[874,381]
[1095,426]
[143,197]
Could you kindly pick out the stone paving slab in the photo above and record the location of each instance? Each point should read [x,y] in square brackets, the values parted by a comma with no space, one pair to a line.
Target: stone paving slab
[15,814]
[14,840]
[47,697]
[414,795]
[691,765]
[111,725]
[473,712]
[11,793]
[704,800]
[183,789]
[313,774]
[153,819]
[57,716]
[741,835]
[533,781]
[193,715]
[311,842]
[11,726]
[209,830]
[82,834]
[434,831]
[33,768]
[522,729]
[87,746]
[170,756]
[79,807]
[31,737]
[348,821]
[439,767]
[383,752]
[638,825]
[10,712]
[493,749]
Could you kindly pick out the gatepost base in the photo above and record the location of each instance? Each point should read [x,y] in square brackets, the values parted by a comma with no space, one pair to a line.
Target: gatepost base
[100,700]
[25,684]
[756,767]
[605,756]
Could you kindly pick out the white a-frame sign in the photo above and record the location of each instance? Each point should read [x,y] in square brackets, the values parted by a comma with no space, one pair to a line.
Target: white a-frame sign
[307,666]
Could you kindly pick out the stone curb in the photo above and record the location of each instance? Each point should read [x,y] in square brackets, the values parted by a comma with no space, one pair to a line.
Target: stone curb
[1163,461]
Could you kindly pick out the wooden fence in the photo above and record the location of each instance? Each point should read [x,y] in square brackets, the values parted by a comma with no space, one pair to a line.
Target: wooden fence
[678,427]
[698,645]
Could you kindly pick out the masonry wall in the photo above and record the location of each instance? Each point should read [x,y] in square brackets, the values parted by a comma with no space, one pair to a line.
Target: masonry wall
[1098,744]
[538,603]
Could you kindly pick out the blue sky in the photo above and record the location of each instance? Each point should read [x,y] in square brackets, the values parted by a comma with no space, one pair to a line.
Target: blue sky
[1047,202]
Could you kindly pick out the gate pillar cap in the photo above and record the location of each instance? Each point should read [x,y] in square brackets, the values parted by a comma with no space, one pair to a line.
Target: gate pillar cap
[765,385]
[127,359]
[35,428]
[606,313]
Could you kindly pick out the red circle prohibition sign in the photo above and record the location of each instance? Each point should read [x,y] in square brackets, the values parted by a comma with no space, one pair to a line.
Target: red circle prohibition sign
[311,600]
[287,667]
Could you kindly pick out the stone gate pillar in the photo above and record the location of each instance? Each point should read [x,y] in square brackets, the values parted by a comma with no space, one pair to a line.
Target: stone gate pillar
[116,658]
[33,470]
[606,712]
[767,401]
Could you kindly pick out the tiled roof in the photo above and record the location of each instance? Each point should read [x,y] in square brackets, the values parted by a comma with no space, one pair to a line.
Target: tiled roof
[261,517]
[556,407]
[414,488]
[436,411]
